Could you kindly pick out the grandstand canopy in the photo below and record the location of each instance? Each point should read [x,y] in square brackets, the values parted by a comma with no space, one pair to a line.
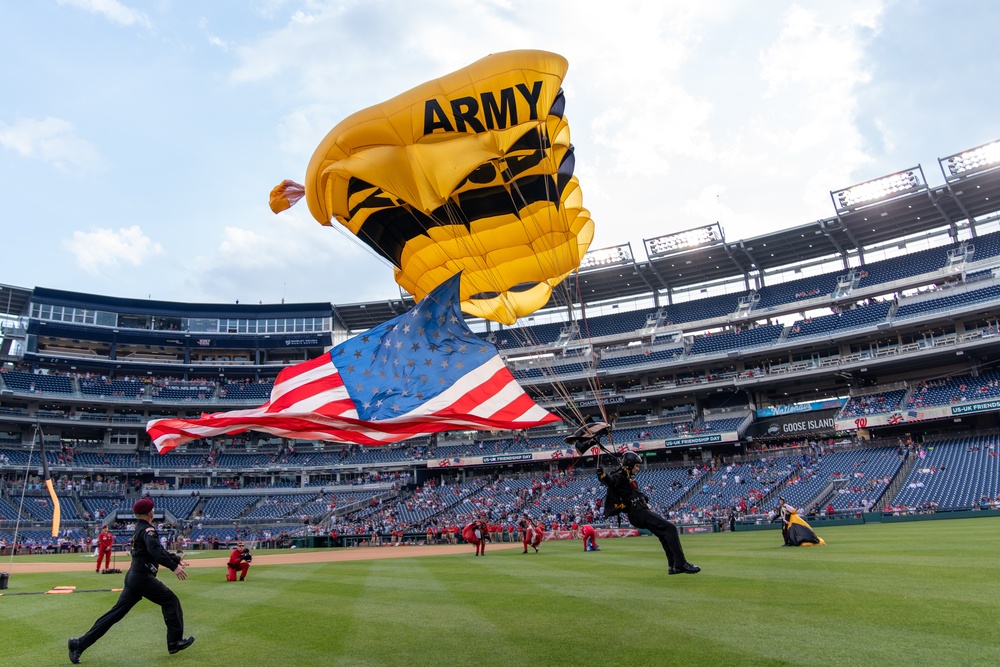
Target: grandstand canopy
[167,308]
[858,223]
[362,316]
[918,210]
[14,300]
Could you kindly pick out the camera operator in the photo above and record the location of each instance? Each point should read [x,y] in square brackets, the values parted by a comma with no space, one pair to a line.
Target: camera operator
[624,496]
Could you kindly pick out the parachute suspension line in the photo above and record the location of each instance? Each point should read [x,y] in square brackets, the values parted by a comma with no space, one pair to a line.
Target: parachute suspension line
[596,380]
[343,231]
[470,244]
[20,505]
[547,259]
[591,377]
[550,369]
[568,413]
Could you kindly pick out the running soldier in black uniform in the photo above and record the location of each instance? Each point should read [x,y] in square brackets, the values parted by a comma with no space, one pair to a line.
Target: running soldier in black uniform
[624,496]
[141,582]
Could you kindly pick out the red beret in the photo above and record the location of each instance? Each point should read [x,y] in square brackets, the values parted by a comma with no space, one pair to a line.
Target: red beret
[142,506]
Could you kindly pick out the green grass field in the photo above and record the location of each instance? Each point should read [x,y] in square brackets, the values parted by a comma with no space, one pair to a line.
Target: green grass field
[922,593]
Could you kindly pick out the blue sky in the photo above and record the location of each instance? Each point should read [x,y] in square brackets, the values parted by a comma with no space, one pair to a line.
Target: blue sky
[139,140]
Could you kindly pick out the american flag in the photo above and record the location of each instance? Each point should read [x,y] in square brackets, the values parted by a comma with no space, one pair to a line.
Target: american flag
[420,373]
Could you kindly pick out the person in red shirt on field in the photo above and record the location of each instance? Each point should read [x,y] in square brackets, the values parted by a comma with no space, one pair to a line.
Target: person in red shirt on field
[105,545]
[496,532]
[533,533]
[475,533]
[589,536]
[239,561]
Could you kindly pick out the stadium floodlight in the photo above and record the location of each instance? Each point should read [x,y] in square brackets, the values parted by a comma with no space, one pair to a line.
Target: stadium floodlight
[973,160]
[880,188]
[619,254]
[692,238]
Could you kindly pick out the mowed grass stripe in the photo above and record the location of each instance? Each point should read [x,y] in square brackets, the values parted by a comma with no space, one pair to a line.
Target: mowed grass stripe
[914,593]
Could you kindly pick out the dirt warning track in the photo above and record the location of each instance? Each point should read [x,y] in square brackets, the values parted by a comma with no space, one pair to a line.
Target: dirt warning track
[284,558]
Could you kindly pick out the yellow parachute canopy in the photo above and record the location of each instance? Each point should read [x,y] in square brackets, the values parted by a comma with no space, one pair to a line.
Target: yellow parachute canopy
[472,172]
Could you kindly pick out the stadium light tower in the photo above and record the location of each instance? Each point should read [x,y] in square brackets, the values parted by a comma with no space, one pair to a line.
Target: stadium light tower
[881,189]
[604,257]
[973,161]
[671,244]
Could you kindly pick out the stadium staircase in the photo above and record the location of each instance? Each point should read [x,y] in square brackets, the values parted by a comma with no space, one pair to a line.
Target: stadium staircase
[828,494]
[78,503]
[343,510]
[906,397]
[896,484]
[695,489]
[473,492]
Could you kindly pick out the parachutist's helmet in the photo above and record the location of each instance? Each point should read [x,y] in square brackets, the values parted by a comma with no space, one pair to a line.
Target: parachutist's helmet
[630,459]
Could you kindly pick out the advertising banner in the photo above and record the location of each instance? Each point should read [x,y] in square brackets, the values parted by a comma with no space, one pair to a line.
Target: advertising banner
[602,533]
[569,453]
[811,406]
[794,424]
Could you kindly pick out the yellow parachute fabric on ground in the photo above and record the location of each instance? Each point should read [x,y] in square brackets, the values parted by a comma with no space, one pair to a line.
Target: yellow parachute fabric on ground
[472,172]
[803,532]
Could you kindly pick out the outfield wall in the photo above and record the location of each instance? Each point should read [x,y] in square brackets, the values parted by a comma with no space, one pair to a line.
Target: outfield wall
[876,517]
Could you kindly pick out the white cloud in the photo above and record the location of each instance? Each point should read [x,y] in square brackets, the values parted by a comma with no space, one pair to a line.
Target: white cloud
[52,140]
[288,257]
[711,134]
[102,248]
[112,10]
[212,38]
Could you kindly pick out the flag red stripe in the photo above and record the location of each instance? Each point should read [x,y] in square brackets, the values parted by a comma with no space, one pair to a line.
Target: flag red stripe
[308,390]
[481,393]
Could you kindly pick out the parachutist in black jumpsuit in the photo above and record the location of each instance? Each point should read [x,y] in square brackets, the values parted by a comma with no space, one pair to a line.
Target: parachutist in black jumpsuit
[624,496]
[141,582]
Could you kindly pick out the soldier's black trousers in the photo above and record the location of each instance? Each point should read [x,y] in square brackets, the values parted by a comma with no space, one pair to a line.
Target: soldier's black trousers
[664,530]
[138,585]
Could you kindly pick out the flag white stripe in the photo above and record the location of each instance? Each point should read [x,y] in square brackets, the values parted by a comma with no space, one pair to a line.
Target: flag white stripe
[316,401]
[498,401]
[300,380]
[471,380]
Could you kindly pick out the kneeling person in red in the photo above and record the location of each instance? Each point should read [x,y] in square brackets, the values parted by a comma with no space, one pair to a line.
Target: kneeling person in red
[589,536]
[239,561]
